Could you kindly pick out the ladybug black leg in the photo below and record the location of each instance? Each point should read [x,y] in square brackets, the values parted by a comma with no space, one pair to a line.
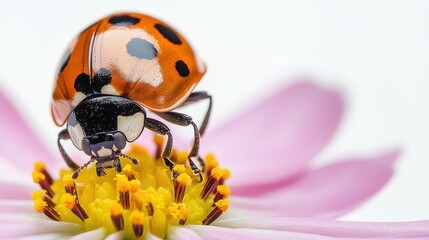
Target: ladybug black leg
[196,97]
[100,169]
[185,120]
[160,128]
[64,135]
[117,164]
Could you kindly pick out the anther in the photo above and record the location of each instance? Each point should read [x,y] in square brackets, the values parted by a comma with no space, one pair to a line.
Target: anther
[69,184]
[226,175]
[180,186]
[137,221]
[220,207]
[149,209]
[41,194]
[41,167]
[137,198]
[211,162]
[223,192]
[182,157]
[159,142]
[43,207]
[179,168]
[129,172]
[116,210]
[179,211]
[40,178]
[212,182]
[124,190]
[69,201]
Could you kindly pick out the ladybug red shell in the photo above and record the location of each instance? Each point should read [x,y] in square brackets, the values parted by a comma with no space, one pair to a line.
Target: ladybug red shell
[148,60]
[114,70]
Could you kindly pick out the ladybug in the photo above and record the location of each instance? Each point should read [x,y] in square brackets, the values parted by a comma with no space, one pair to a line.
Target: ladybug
[110,74]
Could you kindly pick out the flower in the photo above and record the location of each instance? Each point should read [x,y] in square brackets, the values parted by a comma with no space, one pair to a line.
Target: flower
[275,194]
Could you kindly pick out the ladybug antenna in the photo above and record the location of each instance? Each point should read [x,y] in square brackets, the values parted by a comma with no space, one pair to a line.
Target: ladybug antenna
[135,161]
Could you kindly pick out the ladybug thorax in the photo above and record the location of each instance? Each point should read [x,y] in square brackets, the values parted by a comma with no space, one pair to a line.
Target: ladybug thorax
[101,124]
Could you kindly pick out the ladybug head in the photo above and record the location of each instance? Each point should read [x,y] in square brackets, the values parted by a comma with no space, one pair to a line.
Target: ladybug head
[104,145]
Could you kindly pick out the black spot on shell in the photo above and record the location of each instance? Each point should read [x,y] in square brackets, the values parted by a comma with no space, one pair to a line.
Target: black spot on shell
[168,33]
[65,60]
[182,68]
[83,84]
[141,48]
[101,78]
[123,20]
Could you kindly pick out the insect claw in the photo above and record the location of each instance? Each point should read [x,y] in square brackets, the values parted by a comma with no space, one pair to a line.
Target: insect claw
[75,174]
[200,176]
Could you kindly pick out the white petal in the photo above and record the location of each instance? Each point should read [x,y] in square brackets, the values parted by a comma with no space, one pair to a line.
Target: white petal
[183,233]
[93,235]
[150,236]
[116,236]
[220,233]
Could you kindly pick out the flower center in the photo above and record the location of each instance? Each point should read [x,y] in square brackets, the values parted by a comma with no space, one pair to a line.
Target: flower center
[142,199]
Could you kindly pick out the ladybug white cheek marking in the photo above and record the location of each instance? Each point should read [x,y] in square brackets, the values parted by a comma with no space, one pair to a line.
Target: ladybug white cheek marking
[77,98]
[109,89]
[76,135]
[131,126]
[133,53]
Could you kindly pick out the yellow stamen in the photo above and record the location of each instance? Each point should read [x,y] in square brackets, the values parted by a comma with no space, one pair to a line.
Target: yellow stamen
[137,220]
[40,178]
[68,182]
[211,162]
[124,190]
[42,194]
[182,157]
[179,211]
[116,211]
[41,167]
[220,207]
[222,192]
[223,205]
[38,194]
[134,186]
[40,205]
[180,187]
[159,142]
[69,201]
[215,175]
[179,168]
[142,199]
[43,207]
[129,172]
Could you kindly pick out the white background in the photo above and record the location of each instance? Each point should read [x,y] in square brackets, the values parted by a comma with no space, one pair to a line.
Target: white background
[377,52]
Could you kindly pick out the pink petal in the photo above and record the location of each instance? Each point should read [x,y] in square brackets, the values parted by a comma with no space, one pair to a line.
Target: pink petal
[326,192]
[20,225]
[277,138]
[19,144]
[16,206]
[16,190]
[183,233]
[333,228]
[220,233]
[93,235]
